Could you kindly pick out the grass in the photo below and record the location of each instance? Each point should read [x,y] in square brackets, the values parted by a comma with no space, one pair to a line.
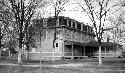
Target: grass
[114,65]
[21,69]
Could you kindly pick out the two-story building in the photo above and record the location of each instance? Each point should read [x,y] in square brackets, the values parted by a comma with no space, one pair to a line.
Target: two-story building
[70,37]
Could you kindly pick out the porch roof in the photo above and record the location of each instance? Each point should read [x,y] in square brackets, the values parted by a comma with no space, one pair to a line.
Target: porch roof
[92,43]
[95,43]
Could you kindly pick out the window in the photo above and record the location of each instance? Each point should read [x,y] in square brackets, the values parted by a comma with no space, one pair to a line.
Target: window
[84,28]
[79,26]
[57,47]
[51,22]
[69,23]
[61,21]
[73,24]
[56,44]
[44,22]
[36,37]
[91,30]
[65,21]
[44,36]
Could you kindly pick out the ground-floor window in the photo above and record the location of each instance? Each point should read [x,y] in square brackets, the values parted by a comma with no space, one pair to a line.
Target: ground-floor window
[57,47]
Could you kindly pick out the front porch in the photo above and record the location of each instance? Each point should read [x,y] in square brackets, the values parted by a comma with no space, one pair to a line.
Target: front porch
[74,50]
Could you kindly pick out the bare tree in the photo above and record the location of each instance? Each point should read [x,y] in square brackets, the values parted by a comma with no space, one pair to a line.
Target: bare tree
[97,11]
[117,26]
[59,7]
[5,23]
[23,12]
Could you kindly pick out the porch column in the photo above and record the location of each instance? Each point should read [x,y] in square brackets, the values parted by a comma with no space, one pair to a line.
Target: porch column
[84,50]
[80,51]
[105,51]
[72,51]
[63,47]
[93,51]
[117,52]
[77,50]
[90,51]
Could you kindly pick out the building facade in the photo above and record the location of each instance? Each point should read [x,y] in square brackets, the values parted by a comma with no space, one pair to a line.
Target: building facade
[70,37]
[73,41]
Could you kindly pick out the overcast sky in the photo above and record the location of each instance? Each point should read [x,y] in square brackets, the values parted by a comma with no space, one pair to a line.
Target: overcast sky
[73,11]
[70,10]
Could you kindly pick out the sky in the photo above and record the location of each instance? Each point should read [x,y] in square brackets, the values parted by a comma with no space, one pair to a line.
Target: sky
[73,10]
[70,11]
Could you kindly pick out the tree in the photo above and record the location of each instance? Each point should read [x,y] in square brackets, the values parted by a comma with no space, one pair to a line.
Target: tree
[59,7]
[22,12]
[5,24]
[117,26]
[98,11]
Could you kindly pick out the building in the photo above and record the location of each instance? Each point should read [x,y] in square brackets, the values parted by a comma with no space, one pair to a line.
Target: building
[74,40]
[70,37]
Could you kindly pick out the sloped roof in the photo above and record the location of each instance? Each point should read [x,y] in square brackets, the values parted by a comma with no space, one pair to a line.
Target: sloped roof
[94,43]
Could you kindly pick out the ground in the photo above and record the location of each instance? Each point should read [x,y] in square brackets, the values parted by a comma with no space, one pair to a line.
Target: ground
[88,65]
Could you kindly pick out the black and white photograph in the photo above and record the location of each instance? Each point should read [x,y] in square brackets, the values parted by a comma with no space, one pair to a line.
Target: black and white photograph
[62,36]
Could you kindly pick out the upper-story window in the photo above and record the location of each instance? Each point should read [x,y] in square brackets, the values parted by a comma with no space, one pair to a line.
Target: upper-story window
[91,30]
[74,24]
[88,29]
[36,36]
[62,21]
[79,26]
[51,22]
[65,21]
[69,23]
[38,23]
[84,28]
[44,22]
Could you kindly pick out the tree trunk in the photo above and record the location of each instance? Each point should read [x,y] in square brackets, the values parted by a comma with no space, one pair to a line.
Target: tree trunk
[100,59]
[27,48]
[20,49]
[0,42]
[0,53]
[26,54]
[19,56]
[9,54]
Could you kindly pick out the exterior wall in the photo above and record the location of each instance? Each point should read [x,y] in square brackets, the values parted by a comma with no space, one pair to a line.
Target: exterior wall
[45,50]
[73,31]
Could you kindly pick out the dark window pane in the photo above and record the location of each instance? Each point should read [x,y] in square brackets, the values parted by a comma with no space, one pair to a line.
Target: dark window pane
[51,22]
[84,28]
[69,23]
[79,26]
[73,24]
[56,44]
[65,21]
[62,21]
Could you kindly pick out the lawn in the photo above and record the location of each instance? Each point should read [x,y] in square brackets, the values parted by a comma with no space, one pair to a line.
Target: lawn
[90,65]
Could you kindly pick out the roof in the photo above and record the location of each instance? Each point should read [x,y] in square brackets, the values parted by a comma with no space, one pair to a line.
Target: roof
[94,43]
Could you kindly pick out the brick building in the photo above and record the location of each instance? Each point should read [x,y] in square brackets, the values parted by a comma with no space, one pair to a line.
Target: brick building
[70,35]
[72,40]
